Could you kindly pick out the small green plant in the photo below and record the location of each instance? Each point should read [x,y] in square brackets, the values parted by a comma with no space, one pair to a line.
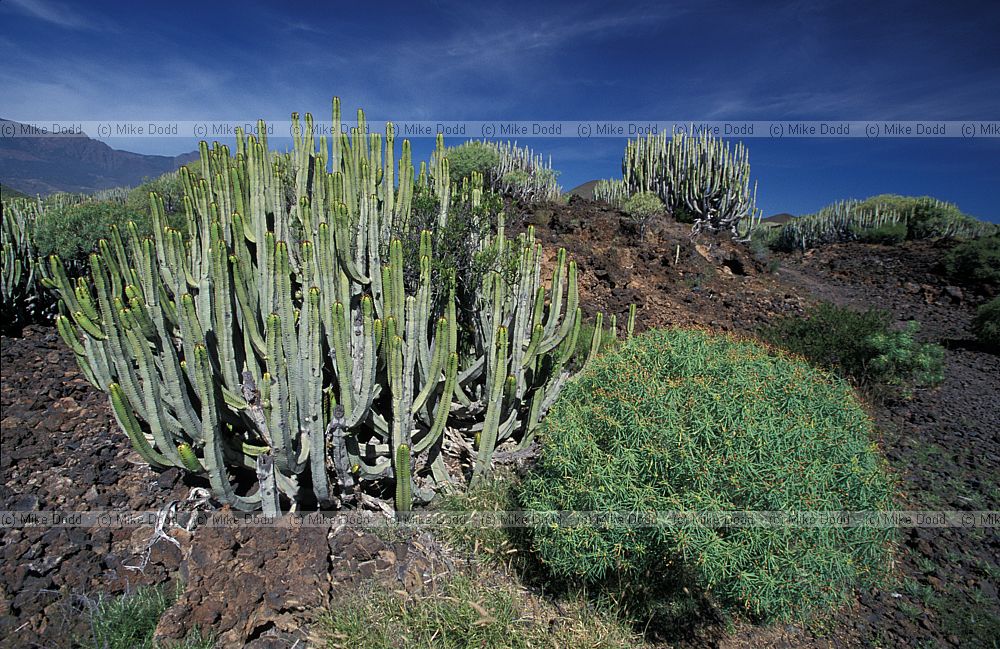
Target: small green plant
[898,359]
[682,214]
[910,610]
[496,494]
[642,208]
[975,261]
[685,421]
[986,324]
[760,248]
[467,611]
[859,345]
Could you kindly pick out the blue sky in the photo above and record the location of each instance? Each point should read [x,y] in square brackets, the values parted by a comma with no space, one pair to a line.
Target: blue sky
[687,60]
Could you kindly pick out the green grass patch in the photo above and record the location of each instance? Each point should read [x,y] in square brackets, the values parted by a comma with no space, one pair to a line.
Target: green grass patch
[128,621]
[465,612]
[495,494]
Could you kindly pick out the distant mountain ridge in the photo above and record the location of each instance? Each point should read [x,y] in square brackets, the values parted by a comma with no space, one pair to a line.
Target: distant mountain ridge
[8,193]
[586,190]
[45,165]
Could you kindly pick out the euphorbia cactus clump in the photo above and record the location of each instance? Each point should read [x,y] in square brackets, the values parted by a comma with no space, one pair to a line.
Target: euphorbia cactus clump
[274,331]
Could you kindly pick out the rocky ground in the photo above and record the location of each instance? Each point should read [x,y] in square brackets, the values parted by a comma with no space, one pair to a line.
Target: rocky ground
[62,450]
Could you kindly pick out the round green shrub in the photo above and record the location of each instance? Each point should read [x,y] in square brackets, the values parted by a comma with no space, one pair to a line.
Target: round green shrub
[471,156]
[642,208]
[681,420]
[643,205]
[986,324]
[73,231]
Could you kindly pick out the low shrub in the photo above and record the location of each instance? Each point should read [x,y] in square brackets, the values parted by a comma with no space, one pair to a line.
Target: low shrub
[859,345]
[73,231]
[457,250]
[684,421]
[928,217]
[169,187]
[975,261]
[986,324]
[642,208]
[889,234]
[897,358]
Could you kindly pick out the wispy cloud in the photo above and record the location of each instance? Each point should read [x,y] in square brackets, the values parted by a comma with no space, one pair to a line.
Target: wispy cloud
[54,13]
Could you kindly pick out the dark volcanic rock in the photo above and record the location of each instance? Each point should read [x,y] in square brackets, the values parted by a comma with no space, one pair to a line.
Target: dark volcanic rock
[62,451]
[258,586]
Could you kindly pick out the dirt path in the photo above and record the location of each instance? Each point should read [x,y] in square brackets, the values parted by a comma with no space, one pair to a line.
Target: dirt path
[943,442]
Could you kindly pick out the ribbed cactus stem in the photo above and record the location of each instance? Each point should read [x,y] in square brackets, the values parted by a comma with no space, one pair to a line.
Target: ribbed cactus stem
[127,421]
[269,498]
[488,436]
[404,479]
